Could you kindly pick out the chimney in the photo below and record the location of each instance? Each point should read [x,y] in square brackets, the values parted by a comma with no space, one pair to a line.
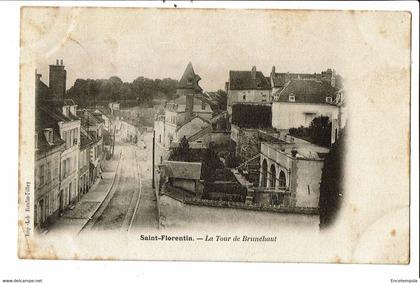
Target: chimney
[253,72]
[273,70]
[56,62]
[61,62]
[294,152]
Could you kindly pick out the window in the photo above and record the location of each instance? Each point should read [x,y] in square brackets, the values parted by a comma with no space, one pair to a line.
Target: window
[41,174]
[291,98]
[282,180]
[328,99]
[244,97]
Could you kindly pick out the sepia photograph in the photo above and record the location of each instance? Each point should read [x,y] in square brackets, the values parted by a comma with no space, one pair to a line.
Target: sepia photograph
[261,135]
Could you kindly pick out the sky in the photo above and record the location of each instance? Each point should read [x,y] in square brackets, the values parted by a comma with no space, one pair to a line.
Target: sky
[158,43]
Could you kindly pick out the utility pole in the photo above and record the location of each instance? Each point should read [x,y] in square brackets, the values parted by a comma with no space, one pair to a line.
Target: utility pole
[153,161]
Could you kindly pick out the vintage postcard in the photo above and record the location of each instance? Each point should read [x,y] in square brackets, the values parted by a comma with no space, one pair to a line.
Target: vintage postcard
[214,135]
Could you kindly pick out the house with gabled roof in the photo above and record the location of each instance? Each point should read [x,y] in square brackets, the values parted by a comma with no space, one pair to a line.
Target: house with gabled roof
[300,101]
[248,87]
[48,149]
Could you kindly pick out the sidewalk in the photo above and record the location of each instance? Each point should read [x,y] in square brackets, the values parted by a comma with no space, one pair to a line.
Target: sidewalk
[72,221]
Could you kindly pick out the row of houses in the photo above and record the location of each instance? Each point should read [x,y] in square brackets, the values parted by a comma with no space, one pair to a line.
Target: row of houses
[276,167]
[69,147]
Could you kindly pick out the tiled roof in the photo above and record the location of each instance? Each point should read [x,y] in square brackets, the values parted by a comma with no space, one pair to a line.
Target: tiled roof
[306,91]
[189,79]
[191,119]
[183,170]
[44,119]
[240,80]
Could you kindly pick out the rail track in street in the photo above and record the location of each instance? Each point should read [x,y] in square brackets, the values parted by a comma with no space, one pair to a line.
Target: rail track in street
[117,210]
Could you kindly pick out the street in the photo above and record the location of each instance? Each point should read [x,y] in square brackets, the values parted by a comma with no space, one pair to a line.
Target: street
[130,204]
[123,200]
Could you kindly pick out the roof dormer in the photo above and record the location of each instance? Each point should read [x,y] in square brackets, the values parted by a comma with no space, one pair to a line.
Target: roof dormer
[48,133]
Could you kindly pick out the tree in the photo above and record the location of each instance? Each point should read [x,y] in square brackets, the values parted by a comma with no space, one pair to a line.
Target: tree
[87,92]
[320,131]
[184,149]
[331,187]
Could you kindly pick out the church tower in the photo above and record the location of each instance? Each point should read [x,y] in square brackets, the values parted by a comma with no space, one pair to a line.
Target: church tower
[188,86]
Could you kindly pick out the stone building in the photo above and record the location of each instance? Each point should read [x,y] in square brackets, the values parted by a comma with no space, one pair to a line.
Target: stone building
[48,149]
[94,127]
[247,87]
[300,101]
[64,113]
[291,172]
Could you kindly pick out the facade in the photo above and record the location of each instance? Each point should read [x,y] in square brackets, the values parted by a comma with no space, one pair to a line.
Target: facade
[94,127]
[291,172]
[298,103]
[84,160]
[247,87]
[64,114]
[48,149]
[70,133]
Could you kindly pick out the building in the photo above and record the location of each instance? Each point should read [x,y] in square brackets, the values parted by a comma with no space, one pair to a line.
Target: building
[291,172]
[247,87]
[86,144]
[188,115]
[183,175]
[300,101]
[280,80]
[48,149]
[94,127]
[64,113]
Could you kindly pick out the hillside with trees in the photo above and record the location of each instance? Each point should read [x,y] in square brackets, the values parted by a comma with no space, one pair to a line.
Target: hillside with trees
[142,90]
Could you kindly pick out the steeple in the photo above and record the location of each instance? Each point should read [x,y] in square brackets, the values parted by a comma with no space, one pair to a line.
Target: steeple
[189,80]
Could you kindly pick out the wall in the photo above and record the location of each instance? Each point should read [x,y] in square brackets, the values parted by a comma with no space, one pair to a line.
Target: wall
[71,154]
[188,185]
[250,96]
[299,173]
[48,192]
[308,175]
[288,115]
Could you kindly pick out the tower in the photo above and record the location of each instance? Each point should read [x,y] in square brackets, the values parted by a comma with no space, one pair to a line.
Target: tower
[188,86]
[58,76]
